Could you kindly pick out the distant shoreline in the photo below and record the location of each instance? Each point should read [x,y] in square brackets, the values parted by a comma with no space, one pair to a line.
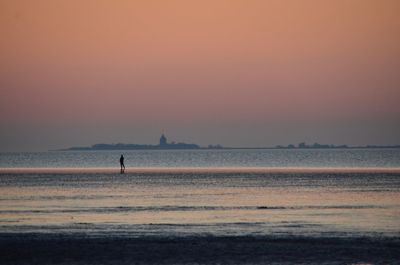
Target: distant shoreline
[229,148]
[165,145]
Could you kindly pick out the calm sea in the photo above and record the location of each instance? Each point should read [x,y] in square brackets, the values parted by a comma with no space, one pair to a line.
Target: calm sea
[208,158]
[195,202]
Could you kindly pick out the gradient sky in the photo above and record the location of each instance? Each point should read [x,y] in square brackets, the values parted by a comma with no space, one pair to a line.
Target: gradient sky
[237,73]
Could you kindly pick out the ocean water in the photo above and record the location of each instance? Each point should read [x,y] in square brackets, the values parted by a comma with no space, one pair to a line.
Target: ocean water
[189,202]
[339,158]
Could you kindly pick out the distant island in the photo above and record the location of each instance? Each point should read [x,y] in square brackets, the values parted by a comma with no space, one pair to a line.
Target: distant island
[165,145]
[303,145]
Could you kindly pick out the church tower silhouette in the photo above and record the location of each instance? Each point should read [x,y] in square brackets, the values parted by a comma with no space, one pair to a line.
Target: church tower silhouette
[163,140]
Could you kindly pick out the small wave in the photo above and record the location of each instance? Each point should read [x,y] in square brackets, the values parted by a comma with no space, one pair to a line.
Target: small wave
[324,207]
[46,198]
[171,208]
[271,208]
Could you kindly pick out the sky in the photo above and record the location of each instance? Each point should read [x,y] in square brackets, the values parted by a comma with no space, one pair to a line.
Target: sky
[230,72]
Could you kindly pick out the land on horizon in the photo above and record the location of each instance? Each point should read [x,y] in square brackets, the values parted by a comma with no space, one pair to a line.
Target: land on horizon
[164,145]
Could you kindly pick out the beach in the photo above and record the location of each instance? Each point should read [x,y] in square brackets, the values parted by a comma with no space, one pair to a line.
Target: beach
[202,207]
[79,249]
[200,215]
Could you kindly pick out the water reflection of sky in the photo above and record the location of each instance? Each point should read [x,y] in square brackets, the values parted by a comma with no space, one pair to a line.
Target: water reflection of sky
[237,203]
[208,158]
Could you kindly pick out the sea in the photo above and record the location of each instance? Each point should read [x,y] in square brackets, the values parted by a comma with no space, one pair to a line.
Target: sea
[243,192]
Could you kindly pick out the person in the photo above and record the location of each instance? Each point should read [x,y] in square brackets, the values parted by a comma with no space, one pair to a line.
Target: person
[121,162]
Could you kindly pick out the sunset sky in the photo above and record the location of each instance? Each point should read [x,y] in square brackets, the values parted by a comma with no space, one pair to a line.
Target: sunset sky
[236,73]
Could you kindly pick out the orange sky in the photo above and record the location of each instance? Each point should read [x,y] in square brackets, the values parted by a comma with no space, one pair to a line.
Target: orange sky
[241,73]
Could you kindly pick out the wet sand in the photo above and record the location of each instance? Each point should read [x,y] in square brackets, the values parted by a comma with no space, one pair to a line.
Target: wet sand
[27,238]
[79,249]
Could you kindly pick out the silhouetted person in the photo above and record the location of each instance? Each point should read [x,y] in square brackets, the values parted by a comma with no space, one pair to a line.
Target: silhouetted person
[121,162]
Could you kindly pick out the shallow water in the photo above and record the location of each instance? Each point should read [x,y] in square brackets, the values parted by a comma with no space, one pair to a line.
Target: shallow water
[188,203]
[311,193]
